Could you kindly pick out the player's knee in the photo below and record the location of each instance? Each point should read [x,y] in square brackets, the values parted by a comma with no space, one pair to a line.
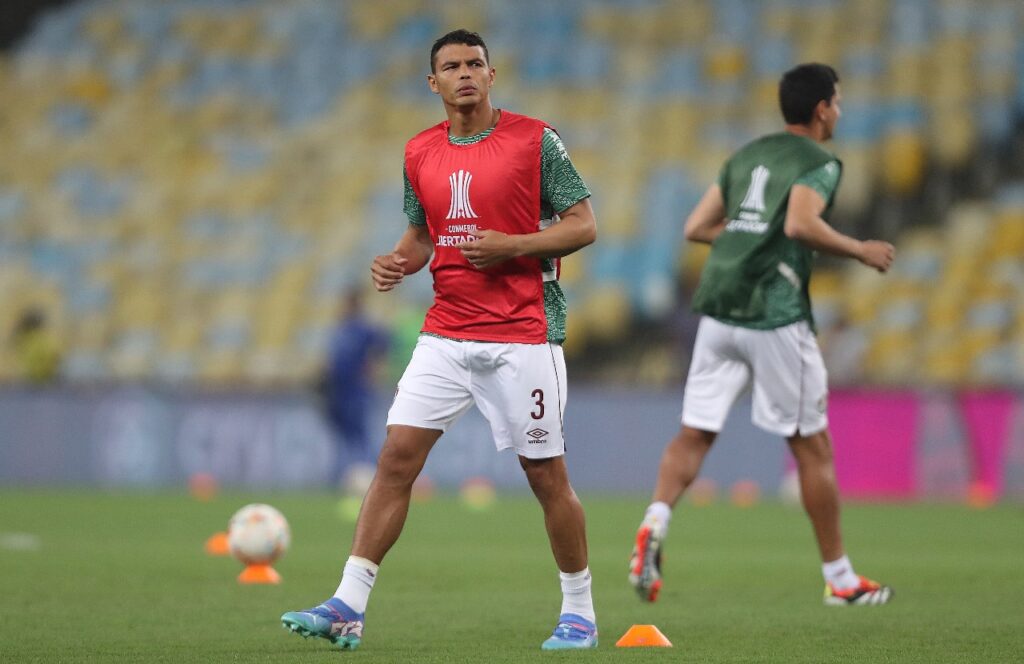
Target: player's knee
[695,436]
[547,477]
[813,450]
[398,464]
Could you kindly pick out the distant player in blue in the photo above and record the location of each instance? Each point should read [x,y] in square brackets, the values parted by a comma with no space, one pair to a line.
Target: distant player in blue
[348,383]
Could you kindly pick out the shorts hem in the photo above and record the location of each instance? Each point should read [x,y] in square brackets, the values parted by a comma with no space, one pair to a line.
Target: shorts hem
[703,425]
[779,429]
[419,424]
[815,430]
[529,454]
[790,431]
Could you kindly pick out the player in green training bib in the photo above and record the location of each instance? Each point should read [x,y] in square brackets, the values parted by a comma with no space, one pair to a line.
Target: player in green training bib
[756,276]
[764,219]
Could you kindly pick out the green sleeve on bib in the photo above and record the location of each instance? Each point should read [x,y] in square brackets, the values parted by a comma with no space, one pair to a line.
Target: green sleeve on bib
[413,208]
[561,186]
[824,180]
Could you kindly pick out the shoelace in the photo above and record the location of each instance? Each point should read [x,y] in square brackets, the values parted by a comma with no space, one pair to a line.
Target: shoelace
[567,630]
[327,611]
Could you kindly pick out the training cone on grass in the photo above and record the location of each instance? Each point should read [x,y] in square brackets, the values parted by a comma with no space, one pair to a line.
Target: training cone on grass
[217,545]
[643,636]
[263,574]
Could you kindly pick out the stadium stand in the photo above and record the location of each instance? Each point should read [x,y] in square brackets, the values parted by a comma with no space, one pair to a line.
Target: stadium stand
[186,185]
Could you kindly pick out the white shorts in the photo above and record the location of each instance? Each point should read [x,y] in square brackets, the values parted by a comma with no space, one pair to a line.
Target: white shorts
[519,388]
[783,365]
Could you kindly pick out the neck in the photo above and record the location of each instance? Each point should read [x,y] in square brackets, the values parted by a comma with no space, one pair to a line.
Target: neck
[472,121]
[814,131]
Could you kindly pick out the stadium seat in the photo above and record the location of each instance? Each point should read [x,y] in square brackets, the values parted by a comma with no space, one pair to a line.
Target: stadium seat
[261,168]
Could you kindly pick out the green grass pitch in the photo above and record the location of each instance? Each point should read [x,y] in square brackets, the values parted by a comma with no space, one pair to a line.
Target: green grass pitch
[123,578]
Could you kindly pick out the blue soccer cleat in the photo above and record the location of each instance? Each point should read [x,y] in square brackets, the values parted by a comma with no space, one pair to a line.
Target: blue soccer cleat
[572,632]
[333,620]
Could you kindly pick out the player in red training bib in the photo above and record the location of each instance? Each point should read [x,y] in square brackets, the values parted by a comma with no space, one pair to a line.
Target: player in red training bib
[493,203]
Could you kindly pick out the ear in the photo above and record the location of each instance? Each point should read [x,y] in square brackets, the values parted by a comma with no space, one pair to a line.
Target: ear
[432,82]
[490,78]
[821,110]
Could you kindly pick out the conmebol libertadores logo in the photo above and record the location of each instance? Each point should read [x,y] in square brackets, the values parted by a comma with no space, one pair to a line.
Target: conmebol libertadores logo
[460,207]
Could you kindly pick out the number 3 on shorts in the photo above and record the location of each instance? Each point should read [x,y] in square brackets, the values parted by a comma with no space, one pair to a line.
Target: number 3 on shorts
[538,414]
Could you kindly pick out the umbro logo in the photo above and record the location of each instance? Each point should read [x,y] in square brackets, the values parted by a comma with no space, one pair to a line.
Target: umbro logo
[536,436]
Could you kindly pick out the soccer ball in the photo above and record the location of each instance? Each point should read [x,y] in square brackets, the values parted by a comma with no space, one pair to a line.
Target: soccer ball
[258,534]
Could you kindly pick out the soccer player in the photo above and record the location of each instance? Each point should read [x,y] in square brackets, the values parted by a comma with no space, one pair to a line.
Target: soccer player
[493,202]
[764,219]
[346,386]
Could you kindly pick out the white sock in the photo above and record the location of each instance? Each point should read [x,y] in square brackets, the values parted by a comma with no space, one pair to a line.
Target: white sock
[659,512]
[840,574]
[576,594]
[356,583]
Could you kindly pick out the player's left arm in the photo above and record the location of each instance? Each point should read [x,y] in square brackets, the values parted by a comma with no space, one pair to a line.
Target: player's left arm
[576,229]
[804,222]
[564,190]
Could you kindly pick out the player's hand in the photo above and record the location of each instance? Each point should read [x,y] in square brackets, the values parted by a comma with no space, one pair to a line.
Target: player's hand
[387,271]
[877,254]
[488,248]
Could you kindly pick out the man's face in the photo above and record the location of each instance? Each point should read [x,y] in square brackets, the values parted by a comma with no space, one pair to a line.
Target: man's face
[461,75]
[831,113]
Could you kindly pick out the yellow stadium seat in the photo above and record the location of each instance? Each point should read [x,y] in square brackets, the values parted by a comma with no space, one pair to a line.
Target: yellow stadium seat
[91,332]
[977,340]
[607,312]
[945,308]
[221,367]
[903,161]
[376,19]
[90,86]
[860,175]
[826,283]
[892,354]
[1008,235]
[952,135]
[725,62]
[183,334]
[573,270]
[946,366]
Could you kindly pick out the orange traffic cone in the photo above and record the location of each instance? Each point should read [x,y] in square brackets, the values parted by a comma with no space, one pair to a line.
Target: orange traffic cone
[202,486]
[643,636]
[981,495]
[259,574]
[217,545]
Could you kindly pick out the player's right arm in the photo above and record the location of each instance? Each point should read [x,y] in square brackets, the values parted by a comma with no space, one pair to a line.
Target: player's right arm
[412,252]
[414,248]
[707,220]
[805,224]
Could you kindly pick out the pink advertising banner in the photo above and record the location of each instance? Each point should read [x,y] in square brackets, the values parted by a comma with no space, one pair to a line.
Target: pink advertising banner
[874,437]
[903,444]
[987,419]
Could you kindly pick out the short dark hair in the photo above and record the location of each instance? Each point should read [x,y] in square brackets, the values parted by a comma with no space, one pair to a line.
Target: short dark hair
[460,36]
[802,87]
